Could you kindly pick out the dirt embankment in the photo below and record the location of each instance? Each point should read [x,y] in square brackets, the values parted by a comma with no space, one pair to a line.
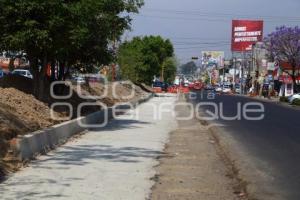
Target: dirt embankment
[192,168]
[21,112]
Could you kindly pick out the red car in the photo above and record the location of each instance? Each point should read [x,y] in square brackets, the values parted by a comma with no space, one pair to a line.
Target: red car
[198,85]
[191,85]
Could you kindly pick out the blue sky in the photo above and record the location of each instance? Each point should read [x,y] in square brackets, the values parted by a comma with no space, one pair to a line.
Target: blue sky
[197,25]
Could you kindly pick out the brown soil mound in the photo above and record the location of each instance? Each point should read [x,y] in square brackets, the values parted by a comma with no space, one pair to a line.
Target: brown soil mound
[123,92]
[21,112]
[32,113]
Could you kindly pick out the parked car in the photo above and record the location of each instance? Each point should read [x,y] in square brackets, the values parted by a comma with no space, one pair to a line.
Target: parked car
[186,83]
[219,88]
[294,97]
[226,89]
[209,87]
[78,80]
[237,89]
[22,72]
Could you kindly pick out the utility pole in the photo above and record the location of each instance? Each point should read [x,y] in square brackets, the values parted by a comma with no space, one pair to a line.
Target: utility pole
[234,73]
[254,81]
[242,74]
[224,69]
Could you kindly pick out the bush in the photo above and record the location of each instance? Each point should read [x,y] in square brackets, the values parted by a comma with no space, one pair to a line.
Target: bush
[296,102]
[284,99]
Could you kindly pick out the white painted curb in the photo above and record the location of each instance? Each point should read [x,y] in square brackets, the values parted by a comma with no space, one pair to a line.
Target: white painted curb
[29,146]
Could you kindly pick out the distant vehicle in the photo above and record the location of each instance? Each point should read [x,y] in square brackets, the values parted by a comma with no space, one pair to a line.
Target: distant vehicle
[186,83]
[294,97]
[79,80]
[162,85]
[237,88]
[209,87]
[226,89]
[191,85]
[198,85]
[23,72]
[219,88]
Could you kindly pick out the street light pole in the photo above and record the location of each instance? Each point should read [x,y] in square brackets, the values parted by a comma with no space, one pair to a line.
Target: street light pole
[234,73]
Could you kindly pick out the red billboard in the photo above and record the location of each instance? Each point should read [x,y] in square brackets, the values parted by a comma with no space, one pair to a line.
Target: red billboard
[245,33]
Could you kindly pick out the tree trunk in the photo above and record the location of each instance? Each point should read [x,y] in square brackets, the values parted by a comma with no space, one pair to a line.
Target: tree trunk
[40,80]
[11,65]
[53,71]
[62,71]
[294,79]
[35,72]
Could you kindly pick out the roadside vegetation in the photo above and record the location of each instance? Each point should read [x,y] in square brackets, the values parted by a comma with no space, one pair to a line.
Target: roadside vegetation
[142,58]
[283,45]
[67,33]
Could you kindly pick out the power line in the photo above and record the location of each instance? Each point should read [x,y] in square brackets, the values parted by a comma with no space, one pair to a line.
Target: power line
[206,18]
[202,13]
[195,38]
[181,18]
[201,47]
[200,43]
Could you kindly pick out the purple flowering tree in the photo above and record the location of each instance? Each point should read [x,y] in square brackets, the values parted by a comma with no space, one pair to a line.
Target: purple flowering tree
[284,45]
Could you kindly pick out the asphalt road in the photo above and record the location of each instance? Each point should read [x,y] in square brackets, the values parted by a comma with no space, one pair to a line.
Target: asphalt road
[274,142]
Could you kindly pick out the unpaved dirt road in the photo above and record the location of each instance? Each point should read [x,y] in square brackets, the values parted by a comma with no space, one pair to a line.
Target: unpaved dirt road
[192,167]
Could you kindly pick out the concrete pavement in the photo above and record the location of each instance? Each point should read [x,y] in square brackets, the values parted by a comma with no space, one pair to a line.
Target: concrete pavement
[115,162]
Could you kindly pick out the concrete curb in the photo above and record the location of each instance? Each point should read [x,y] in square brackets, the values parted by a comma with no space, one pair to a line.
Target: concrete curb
[29,146]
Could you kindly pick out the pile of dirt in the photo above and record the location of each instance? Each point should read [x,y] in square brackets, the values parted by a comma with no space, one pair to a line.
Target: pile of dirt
[32,113]
[22,113]
[115,92]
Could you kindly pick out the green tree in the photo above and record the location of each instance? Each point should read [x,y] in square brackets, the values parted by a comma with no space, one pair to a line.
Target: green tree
[170,69]
[65,32]
[142,58]
[188,68]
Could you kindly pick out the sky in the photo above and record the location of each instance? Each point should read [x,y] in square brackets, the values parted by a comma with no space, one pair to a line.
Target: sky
[198,25]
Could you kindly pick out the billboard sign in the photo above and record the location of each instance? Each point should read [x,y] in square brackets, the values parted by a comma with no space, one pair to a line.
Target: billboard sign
[213,58]
[245,33]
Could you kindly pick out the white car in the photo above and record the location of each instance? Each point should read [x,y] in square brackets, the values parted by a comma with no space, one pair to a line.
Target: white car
[219,88]
[79,80]
[226,89]
[294,97]
[23,72]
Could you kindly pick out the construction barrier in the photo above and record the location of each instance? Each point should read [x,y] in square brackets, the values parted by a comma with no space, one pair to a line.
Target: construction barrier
[157,90]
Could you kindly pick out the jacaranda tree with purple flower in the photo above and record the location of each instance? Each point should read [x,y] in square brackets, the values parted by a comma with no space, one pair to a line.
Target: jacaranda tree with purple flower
[284,45]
